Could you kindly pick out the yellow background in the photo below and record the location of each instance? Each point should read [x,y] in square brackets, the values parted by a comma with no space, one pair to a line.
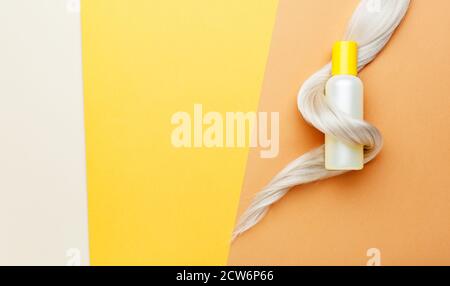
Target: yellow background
[150,203]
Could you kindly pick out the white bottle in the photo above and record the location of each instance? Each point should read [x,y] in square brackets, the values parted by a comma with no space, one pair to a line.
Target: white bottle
[345,91]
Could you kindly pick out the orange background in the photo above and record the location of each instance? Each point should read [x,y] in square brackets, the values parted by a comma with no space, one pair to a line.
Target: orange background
[400,203]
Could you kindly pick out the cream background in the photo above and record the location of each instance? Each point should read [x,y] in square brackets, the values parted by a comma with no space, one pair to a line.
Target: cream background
[43,210]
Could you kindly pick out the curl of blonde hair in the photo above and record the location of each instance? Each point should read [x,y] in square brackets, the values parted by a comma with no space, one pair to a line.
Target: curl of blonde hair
[371,26]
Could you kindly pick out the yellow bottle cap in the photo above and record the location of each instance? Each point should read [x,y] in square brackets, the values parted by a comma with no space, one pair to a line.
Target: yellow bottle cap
[345,58]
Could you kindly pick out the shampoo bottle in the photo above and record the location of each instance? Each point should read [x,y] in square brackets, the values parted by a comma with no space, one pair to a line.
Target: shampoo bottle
[344,90]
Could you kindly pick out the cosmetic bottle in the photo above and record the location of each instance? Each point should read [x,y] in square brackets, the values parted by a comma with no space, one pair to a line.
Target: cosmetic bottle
[344,90]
